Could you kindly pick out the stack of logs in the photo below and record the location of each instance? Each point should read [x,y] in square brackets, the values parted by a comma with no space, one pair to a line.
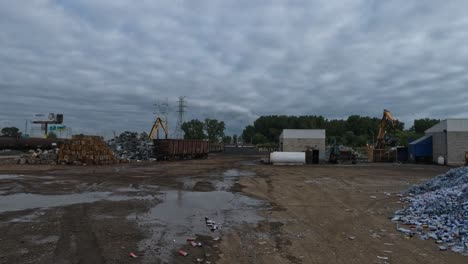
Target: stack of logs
[86,150]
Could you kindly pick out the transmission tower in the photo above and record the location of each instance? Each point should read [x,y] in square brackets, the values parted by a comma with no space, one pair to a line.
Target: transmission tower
[162,110]
[180,116]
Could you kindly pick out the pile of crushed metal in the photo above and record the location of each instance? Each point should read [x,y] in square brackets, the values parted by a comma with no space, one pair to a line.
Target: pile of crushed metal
[131,146]
[438,209]
[39,156]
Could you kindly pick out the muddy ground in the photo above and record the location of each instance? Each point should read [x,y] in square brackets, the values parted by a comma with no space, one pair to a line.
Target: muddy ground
[265,214]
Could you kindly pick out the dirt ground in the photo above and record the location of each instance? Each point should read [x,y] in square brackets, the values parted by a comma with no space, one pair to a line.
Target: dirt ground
[267,214]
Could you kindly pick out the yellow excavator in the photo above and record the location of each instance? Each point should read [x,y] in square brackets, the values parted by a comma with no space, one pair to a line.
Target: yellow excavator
[386,118]
[155,129]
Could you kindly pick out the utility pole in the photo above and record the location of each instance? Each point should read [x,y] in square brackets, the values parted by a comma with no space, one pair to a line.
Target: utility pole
[26,127]
[180,116]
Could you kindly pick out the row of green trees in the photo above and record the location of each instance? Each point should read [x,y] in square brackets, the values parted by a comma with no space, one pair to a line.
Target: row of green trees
[15,132]
[210,129]
[354,131]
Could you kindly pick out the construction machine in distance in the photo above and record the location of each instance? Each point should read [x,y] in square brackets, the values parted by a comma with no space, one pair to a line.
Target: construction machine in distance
[155,129]
[337,155]
[382,136]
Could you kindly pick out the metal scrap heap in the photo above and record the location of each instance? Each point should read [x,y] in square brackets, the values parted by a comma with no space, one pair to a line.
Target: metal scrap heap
[438,209]
[131,146]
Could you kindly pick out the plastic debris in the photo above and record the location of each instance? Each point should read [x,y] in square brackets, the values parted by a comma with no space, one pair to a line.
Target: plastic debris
[442,248]
[351,237]
[133,255]
[216,238]
[384,258]
[193,243]
[438,210]
[373,197]
[183,253]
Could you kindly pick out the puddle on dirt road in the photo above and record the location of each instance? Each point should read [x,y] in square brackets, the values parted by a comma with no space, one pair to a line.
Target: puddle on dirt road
[8,176]
[23,201]
[223,182]
[237,173]
[181,214]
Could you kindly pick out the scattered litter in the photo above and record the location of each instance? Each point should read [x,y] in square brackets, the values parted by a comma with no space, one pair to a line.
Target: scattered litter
[262,242]
[193,243]
[438,209]
[387,194]
[442,248]
[183,253]
[216,238]
[133,255]
[384,258]
[199,260]
[388,251]
[190,239]
[351,237]
[373,197]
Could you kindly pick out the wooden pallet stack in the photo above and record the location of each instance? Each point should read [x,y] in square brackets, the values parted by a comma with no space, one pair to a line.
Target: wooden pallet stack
[86,150]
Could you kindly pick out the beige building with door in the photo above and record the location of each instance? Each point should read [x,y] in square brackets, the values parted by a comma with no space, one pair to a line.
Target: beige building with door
[297,140]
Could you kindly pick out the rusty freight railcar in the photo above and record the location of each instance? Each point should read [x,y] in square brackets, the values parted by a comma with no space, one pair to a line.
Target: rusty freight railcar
[166,149]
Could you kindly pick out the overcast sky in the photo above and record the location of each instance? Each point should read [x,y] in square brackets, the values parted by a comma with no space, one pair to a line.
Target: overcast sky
[103,64]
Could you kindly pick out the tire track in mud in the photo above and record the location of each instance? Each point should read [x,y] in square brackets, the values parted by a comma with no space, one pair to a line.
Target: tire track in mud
[77,243]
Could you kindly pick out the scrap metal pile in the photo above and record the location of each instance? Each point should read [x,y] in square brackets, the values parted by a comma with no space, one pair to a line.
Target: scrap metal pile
[438,209]
[39,156]
[131,146]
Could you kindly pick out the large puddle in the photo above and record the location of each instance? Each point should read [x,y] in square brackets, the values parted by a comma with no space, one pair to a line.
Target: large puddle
[23,201]
[8,176]
[181,214]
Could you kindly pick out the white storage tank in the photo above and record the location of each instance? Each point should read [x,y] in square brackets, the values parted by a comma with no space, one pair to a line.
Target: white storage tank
[287,157]
[440,160]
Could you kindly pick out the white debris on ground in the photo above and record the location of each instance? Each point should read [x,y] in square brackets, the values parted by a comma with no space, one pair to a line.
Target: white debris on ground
[39,156]
[438,210]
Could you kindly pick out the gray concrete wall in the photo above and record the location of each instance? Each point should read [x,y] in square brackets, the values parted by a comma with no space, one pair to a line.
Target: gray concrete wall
[438,145]
[301,144]
[457,146]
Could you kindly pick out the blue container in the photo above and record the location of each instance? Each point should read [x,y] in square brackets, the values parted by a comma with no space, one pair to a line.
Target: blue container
[420,149]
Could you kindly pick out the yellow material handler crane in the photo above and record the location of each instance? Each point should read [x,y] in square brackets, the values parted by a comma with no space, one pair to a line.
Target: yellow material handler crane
[386,118]
[155,129]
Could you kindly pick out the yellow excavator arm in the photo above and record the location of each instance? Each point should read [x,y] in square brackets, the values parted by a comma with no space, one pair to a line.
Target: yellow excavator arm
[387,116]
[155,128]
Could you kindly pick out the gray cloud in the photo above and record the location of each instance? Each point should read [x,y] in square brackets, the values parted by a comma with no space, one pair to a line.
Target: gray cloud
[104,63]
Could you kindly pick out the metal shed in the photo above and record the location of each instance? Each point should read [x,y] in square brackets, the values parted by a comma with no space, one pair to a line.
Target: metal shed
[292,140]
[420,150]
[450,141]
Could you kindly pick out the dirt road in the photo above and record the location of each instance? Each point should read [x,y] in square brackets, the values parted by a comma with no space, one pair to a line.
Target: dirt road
[266,214]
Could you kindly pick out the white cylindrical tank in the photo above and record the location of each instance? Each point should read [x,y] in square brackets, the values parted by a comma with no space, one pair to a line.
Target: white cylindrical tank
[287,157]
[440,160]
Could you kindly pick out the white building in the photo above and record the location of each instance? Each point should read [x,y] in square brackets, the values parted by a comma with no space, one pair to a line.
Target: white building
[292,140]
[450,140]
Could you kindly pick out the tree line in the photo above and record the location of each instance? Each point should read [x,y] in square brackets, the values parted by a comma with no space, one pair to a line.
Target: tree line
[210,129]
[354,131]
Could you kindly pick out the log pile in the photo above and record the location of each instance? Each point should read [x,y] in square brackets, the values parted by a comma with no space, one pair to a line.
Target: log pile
[86,150]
